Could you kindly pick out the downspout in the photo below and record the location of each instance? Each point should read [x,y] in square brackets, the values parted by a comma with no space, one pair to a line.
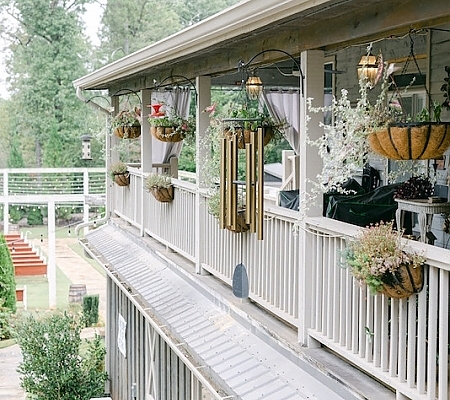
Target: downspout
[90,102]
[97,107]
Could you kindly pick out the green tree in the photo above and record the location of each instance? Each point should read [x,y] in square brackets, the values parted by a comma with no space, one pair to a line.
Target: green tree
[53,367]
[7,282]
[47,52]
[129,25]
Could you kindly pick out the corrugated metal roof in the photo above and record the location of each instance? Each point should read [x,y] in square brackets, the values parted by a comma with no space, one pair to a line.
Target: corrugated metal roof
[249,366]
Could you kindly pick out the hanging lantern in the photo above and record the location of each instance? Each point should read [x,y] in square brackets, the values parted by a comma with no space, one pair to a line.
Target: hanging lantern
[86,147]
[254,87]
[368,68]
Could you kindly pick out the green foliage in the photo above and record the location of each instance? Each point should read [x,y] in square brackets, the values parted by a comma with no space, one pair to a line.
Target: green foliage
[16,214]
[34,216]
[7,282]
[52,366]
[90,309]
[5,323]
[47,48]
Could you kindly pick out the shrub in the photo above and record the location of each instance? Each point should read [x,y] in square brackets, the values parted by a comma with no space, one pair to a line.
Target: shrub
[52,366]
[7,282]
[90,309]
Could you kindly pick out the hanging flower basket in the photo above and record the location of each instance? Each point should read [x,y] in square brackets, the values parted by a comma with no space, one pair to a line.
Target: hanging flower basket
[243,128]
[414,141]
[403,282]
[127,132]
[166,134]
[164,195]
[244,135]
[122,179]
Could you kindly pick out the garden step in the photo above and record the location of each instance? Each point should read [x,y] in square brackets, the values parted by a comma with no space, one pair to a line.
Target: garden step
[25,260]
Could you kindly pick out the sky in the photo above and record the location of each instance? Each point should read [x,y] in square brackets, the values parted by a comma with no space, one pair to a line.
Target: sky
[92,19]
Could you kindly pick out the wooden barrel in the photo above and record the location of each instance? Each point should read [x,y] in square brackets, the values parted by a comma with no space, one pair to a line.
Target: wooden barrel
[76,293]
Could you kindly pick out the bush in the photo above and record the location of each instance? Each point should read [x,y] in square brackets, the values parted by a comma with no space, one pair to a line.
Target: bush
[7,281]
[5,323]
[34,216]
[52,366]
[90,309]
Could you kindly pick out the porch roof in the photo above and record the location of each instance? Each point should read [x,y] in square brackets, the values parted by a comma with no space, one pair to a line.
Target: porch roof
[214,46]
[195,322]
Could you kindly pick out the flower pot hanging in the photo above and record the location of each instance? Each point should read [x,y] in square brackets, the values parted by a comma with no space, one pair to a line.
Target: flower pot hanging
[414,141]
[403,282]
[128,132]
[244,136]
[122,179]
[164,195]
[166,133]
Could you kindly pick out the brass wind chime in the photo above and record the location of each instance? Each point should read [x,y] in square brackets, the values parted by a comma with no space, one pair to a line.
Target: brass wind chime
[231,214]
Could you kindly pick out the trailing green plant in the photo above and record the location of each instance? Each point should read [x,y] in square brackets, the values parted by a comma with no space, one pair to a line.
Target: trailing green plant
[185,126]
[127,118]
[376,254]
[7,281]
[53,367]
[117,169]
[157,181]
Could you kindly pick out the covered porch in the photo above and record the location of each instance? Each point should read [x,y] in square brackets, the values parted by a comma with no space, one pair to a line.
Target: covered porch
[310,308]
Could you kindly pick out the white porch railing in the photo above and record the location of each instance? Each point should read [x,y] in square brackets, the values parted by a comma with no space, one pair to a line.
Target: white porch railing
[402,343]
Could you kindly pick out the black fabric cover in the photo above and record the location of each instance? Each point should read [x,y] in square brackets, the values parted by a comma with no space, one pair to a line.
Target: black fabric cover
[351,185]
[290,199]
[364,209]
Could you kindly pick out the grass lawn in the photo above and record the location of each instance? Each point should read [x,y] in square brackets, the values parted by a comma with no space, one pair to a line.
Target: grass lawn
[37,291]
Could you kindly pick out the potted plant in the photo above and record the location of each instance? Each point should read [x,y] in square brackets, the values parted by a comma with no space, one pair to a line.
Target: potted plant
[118,172]
[378,258]
[127,123]
[243,120]
[396,135]
[167,126]
[160,186]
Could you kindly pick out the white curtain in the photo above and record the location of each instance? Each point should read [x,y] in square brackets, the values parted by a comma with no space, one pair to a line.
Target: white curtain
[286,105]
[179,100]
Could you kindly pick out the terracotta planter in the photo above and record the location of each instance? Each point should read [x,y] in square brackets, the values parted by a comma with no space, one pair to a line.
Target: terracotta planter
[164,195]
[122,179]
[166,134]
[415,141]
[244,135]
[128,132]
[404,282]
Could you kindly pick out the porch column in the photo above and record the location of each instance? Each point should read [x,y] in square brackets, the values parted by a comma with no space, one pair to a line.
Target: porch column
[146,152]
[111,158]
[203,84]
[312,63]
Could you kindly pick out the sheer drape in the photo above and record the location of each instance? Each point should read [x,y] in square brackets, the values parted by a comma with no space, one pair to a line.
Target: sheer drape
[286,105]
[178,100]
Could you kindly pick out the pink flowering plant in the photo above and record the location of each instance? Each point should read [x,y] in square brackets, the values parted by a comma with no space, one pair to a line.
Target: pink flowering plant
[376,254]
